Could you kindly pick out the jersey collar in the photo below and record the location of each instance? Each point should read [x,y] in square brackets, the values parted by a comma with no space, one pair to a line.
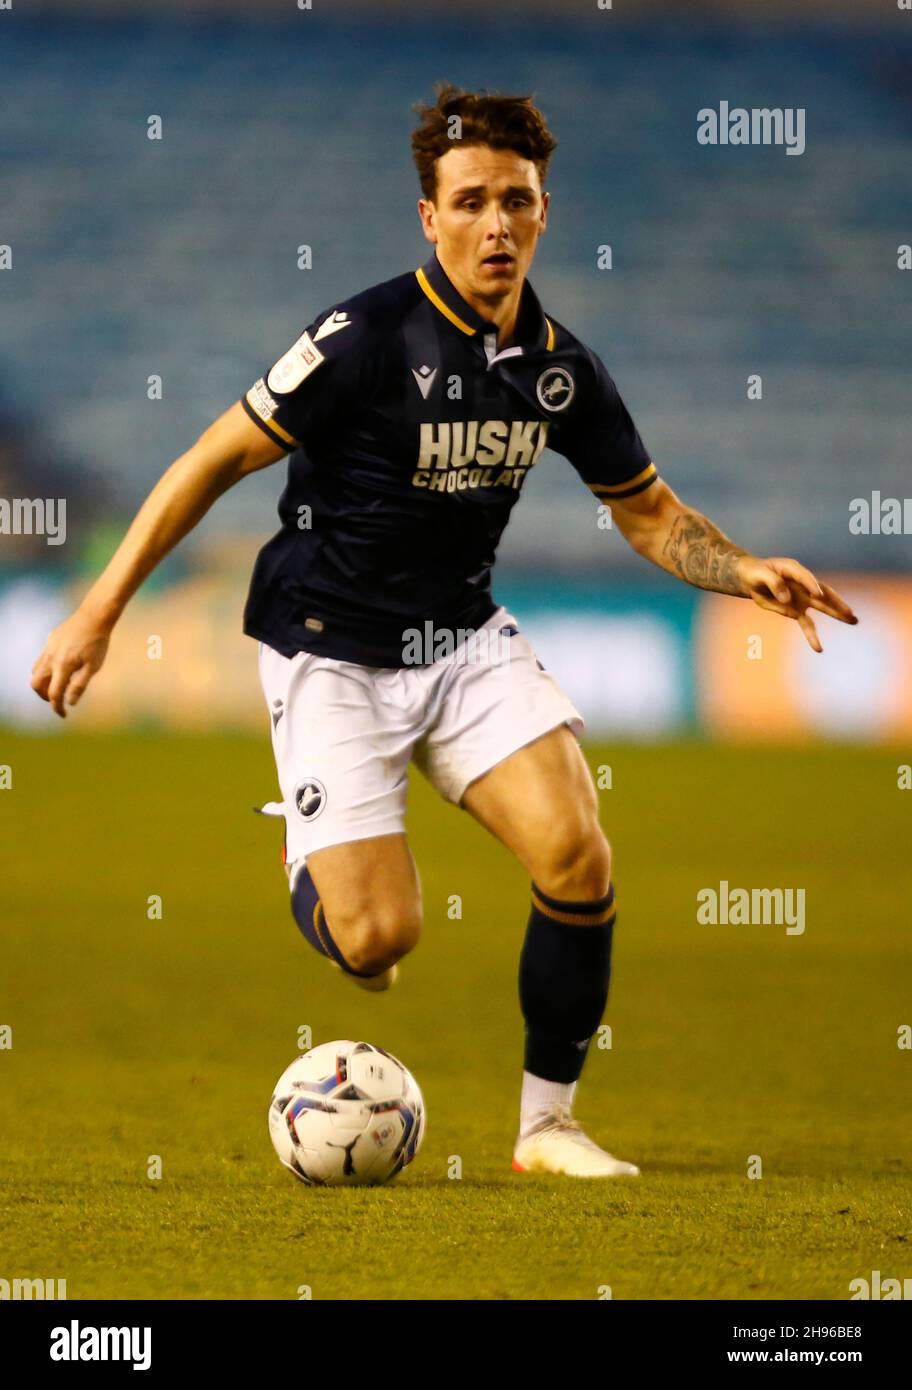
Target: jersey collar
[534,331]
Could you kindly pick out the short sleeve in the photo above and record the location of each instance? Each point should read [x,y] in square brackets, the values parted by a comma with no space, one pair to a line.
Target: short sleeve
[600,439]
[314,384]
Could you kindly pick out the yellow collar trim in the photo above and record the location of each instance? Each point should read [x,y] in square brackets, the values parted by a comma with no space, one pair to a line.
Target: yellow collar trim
[438,303]
[445,309]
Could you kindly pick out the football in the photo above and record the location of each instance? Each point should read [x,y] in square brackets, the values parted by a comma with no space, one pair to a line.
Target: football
[346,1113]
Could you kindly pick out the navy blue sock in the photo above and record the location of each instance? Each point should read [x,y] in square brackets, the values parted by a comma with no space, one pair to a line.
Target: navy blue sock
[307,910]
[564,971]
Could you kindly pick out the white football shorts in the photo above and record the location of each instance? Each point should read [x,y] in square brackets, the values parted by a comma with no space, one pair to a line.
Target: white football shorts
[343,734]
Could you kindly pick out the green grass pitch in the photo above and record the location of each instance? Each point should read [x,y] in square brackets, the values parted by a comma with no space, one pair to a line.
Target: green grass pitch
[134,1037]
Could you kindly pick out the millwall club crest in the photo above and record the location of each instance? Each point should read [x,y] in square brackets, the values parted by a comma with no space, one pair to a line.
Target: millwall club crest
[554,388]
[309,798]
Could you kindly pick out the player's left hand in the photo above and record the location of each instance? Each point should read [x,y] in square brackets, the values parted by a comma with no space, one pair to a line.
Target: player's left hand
[786,587]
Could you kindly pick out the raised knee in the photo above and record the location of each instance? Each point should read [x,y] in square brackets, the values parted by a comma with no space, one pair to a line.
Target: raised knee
[577,865]
[381,937]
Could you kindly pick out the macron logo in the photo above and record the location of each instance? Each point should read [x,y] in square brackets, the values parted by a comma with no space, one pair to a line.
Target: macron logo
[75,1343]
[424,378]
[332,325]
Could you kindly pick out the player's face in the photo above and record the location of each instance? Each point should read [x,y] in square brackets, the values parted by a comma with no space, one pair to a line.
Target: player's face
[486,219]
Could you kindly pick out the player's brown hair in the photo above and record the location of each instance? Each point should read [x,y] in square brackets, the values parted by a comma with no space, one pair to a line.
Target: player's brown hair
[503,122]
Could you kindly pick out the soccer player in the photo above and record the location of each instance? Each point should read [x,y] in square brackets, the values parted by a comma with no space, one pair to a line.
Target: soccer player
[413,412]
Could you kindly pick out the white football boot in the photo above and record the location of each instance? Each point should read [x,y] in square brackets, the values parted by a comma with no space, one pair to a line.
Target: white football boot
[558,1145]
[375,984]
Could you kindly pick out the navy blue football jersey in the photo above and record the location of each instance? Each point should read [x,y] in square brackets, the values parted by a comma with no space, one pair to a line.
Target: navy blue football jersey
[410,438]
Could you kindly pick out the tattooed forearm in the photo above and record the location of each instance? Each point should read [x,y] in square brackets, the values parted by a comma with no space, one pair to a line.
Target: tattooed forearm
[699,553]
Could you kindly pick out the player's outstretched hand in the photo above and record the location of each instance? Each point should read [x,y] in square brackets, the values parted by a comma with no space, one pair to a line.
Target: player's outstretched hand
[787,587]
[72,654]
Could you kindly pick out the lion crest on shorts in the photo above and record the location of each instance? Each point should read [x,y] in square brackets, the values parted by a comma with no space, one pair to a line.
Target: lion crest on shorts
[309,798]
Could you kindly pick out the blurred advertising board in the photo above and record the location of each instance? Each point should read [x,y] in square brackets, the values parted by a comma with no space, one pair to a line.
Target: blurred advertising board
[639,662]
